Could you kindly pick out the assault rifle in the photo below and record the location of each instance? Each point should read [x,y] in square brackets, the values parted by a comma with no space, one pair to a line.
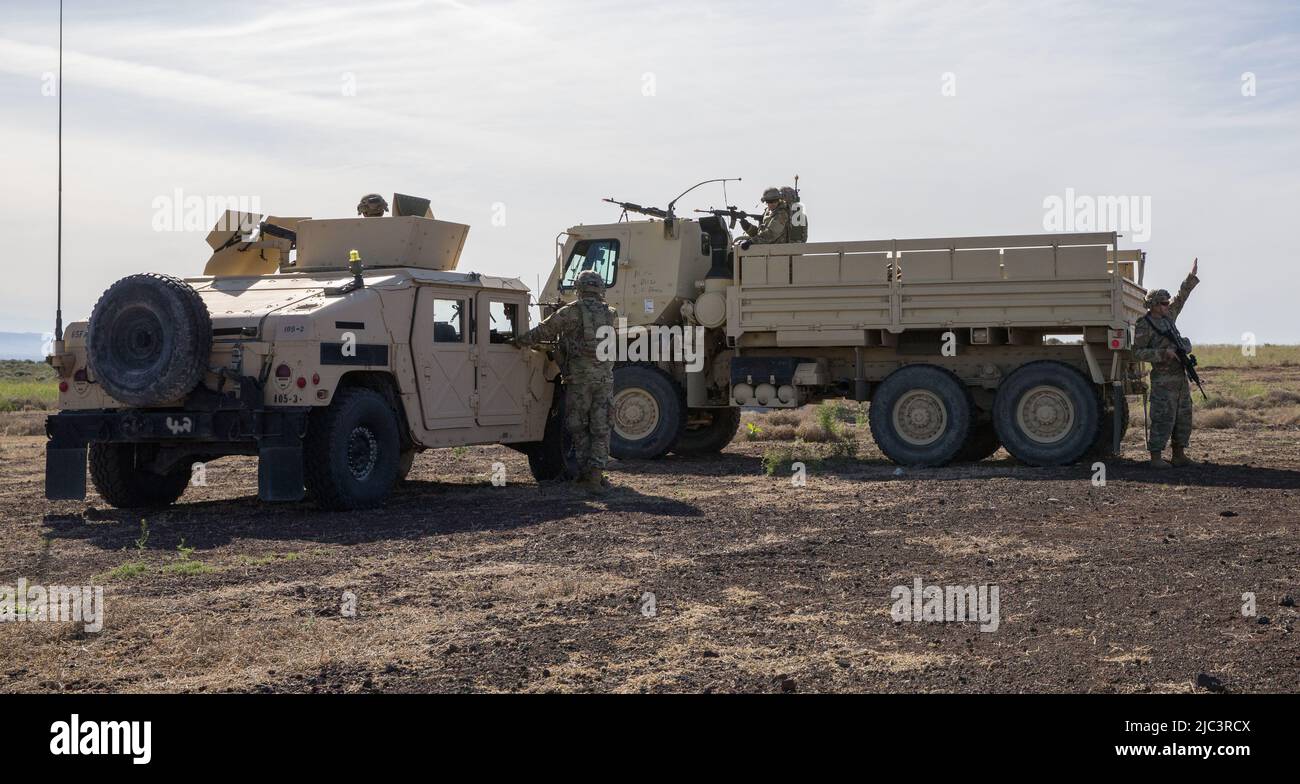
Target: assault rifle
[1187,360]
[734,214]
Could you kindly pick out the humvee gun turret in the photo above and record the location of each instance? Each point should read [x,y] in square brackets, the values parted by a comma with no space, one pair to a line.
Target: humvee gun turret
[333,368]
[950,339]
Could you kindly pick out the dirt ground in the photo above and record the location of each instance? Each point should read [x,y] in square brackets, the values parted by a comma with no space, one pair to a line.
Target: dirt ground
[758,585]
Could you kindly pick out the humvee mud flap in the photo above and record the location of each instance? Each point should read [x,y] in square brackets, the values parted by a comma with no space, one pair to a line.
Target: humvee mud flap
[275,436]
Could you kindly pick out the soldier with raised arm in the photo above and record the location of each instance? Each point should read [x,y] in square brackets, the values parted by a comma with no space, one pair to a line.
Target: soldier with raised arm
[588,380]
[1156,340]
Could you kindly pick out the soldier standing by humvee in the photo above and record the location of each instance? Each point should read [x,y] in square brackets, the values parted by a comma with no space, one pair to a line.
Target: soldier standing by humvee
[1156,340]
[775,226]
[588,380]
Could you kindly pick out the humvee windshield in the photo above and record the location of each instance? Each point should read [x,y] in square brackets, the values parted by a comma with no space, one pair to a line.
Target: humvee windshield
[598,255]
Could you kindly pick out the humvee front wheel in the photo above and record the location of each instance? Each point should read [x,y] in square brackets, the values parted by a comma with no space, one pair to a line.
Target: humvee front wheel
[553,457]
[352,451]
[647,415]
[1047,414]
[712,434]
[120,475]
[920,415]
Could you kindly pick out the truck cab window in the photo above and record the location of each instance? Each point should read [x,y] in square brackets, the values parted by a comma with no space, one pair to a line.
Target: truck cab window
[598,255]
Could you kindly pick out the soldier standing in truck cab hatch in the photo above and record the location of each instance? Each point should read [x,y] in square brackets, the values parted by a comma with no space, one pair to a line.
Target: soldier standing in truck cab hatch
[1154,340]
[588,380]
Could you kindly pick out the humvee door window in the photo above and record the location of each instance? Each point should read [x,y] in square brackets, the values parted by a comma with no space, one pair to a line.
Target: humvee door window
[598,255]
[448,321]
[504,321]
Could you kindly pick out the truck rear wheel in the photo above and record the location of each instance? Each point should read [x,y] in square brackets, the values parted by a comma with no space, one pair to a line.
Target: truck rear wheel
[921,415]
[121,477]
[150,337]
[352,451]
[647,415]
[709,437]
[1047,414]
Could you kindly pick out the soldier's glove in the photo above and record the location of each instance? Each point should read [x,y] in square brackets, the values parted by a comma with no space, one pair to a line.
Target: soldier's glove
[744,244]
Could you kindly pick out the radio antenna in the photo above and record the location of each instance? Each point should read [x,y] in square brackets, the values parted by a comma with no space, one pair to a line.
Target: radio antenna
[58,306]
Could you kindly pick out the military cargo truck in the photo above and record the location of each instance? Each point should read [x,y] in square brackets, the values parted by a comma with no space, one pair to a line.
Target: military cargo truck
[952,340]
[334,350]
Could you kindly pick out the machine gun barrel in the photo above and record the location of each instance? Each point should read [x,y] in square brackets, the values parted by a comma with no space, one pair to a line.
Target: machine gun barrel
[653,212]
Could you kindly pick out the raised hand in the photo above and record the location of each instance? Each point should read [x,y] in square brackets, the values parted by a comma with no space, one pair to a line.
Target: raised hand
[1194,266]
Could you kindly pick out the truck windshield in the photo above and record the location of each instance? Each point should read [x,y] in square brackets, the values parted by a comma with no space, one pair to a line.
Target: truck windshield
[598,255]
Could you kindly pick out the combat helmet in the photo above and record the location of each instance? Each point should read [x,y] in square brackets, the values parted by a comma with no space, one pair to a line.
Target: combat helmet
[372,205]
[772,194]
[589,282]
[1157,297]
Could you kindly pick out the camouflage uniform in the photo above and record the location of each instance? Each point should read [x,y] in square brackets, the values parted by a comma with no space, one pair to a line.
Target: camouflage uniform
[588,381]
[1171,397]
[798,218]
[775,227]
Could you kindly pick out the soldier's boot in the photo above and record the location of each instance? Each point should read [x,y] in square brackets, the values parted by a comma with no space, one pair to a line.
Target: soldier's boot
[1180,457]
[1159,462]
[593,481]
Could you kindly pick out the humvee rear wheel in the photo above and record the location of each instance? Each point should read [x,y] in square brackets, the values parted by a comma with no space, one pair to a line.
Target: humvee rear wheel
[149,339]
[352,451]
[712,434]
[120,475]
[1047,414]
[647,414]
[404,464]
[920,415]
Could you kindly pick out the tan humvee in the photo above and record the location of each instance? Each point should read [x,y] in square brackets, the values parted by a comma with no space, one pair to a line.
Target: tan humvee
[334,375]
[955,340]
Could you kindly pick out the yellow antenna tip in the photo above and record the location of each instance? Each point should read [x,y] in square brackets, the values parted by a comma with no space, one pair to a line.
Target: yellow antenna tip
[354,255]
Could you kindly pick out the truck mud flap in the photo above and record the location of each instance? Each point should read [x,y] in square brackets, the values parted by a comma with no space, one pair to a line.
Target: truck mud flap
[279,473]
[65,473]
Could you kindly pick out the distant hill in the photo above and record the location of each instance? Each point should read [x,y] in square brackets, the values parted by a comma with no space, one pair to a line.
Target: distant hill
[22,345]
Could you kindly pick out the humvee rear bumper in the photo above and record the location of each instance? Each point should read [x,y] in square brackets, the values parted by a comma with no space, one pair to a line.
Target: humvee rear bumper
[274,436]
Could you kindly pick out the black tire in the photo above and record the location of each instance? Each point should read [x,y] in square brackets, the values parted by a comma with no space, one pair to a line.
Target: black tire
[636,387]
[404,463]
[710,438]
[1105,444]
[352,451]
[981,443]
[930,392]
[150,337]
[553,457]
[119,475]
[1069,426]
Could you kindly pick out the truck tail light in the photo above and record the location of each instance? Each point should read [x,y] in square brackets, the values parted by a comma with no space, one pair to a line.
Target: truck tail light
[1117,337]
[283,371]
[302,382]
[63,386]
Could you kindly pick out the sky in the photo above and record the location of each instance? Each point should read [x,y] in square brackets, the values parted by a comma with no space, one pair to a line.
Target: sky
[902,119]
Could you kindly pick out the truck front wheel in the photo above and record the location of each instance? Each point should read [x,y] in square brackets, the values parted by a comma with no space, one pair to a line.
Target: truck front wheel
[1047,414]
[122,478]
[716,428]
[352,450]
[647,415]
[921,415]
